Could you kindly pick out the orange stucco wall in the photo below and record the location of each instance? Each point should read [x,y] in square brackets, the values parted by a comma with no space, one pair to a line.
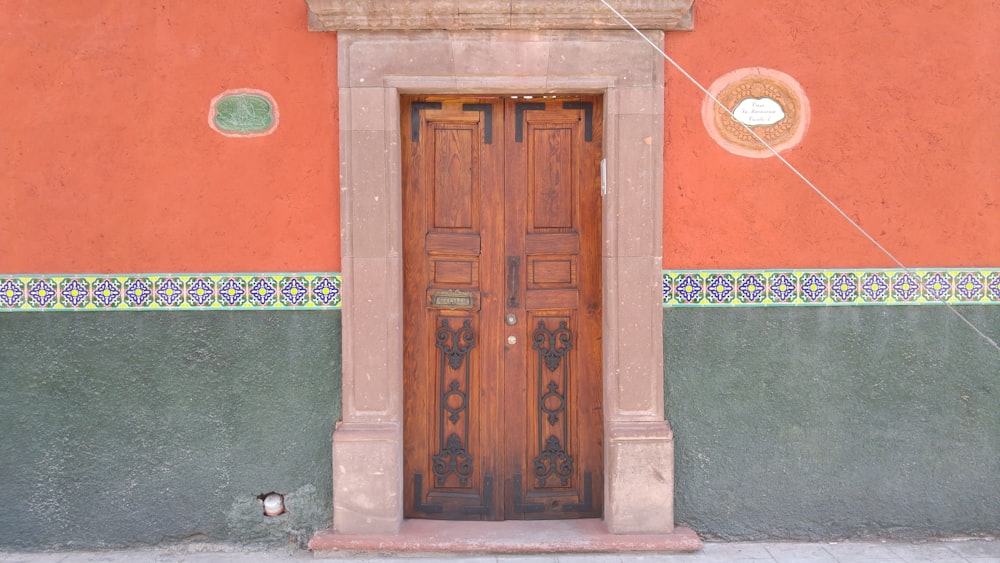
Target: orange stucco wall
[904,137]
[107,161]
[108,165]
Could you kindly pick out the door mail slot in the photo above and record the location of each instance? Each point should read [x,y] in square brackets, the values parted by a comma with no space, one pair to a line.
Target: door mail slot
[453,299]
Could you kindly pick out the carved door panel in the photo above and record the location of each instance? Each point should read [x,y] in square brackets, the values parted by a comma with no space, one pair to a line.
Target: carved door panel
[502,307]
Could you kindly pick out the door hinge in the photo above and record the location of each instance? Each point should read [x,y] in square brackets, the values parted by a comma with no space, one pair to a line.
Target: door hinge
[604,177]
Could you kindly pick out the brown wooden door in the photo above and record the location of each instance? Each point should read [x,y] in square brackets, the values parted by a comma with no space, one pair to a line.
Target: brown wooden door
[502,307]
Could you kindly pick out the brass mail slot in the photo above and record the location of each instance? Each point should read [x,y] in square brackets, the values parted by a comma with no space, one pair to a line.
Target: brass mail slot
[453,299]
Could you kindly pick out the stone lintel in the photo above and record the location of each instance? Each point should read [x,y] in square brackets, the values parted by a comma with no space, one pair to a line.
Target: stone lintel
[382,15]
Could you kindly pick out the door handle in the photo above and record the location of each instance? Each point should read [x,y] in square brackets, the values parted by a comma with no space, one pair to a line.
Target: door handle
[513,281]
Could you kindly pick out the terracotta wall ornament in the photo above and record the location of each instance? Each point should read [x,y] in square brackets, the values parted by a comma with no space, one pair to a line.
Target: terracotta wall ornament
[767,102]
[243,112]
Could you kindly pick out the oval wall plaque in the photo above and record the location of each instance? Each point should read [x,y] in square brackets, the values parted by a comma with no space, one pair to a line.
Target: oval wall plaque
[243,113]
[762,104]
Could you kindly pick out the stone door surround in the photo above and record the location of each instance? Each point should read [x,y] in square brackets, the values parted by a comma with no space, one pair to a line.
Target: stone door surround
[375,67]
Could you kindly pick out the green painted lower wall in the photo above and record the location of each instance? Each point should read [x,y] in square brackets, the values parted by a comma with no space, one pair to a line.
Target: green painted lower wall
[823,423]
[146,427]
[792,423]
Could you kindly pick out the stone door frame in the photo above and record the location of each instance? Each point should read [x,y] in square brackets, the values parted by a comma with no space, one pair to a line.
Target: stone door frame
[375,68]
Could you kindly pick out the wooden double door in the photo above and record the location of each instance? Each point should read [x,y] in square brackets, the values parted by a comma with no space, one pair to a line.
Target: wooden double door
[502,307]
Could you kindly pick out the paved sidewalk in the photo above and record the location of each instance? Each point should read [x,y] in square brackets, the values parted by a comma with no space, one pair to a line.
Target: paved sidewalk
[958,551]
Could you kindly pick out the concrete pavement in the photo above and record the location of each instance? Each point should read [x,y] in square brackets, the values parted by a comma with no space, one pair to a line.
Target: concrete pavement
[955,550]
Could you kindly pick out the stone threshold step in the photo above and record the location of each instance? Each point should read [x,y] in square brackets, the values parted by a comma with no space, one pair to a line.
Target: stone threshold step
[511,536]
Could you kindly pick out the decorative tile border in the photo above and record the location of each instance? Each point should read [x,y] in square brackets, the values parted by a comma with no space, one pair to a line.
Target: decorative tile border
[140,292]
[682,288]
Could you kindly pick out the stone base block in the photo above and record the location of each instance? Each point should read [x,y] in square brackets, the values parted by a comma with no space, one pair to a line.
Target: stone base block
[639,492]
[367,478]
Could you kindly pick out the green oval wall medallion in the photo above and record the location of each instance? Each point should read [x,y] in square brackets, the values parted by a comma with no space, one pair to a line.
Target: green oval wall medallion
[243,113]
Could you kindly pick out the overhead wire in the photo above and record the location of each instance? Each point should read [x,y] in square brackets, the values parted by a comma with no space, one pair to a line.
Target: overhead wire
[794,170]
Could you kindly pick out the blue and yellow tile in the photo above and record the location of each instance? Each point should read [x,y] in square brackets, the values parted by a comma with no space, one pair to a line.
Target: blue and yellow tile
[692,288]
[137,292]
[681,288]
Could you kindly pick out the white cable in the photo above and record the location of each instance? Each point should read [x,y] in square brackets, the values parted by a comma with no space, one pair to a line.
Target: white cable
[794,170]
